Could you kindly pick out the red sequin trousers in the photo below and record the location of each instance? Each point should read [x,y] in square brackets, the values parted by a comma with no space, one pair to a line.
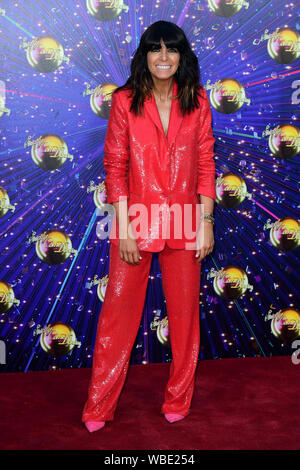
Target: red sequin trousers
[120,319]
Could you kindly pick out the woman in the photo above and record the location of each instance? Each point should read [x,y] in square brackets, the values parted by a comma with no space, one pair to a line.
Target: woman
[159,152]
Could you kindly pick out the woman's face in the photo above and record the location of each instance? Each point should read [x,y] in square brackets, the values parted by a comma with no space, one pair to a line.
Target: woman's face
[163,62]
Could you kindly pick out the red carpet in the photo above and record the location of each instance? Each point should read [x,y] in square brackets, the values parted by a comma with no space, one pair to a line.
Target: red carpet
[239,404]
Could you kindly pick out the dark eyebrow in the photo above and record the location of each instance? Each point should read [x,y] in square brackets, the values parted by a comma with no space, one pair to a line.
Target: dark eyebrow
[159,47]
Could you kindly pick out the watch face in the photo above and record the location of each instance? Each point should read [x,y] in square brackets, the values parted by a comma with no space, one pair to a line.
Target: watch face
[209,219]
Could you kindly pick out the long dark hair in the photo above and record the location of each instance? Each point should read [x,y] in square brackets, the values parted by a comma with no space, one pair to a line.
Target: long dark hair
[187,75]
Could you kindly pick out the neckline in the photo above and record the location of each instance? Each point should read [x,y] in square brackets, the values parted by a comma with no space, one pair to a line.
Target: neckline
[172,103]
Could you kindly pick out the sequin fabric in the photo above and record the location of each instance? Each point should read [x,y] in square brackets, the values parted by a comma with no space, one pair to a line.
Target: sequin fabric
[119,321]
[145,166]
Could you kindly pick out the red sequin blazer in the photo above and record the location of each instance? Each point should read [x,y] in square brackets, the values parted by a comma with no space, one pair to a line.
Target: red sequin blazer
[145,166]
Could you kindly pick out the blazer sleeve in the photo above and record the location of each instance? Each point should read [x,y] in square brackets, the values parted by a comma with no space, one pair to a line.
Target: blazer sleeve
[206,166]
[116,152]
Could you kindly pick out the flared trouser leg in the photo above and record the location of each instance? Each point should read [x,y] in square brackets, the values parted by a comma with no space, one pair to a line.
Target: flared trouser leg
[117,329]
[181,286]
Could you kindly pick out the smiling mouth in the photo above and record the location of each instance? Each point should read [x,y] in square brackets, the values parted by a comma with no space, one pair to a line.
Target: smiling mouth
[163,67]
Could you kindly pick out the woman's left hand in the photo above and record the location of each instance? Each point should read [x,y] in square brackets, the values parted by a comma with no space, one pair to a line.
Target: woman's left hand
[208,242]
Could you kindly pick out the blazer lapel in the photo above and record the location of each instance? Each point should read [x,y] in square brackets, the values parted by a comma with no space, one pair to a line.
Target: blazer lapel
[151,111]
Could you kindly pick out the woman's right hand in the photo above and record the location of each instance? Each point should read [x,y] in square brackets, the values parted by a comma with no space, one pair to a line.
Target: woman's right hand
[129,251]
[128,247]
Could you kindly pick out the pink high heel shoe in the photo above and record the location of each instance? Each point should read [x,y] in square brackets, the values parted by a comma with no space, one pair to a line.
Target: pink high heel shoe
[94,425]
[172,417]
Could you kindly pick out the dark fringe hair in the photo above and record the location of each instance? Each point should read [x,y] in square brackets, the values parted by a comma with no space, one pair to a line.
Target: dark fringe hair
[187,75]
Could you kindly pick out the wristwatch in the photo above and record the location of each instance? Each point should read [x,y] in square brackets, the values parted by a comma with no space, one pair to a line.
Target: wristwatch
[208,217]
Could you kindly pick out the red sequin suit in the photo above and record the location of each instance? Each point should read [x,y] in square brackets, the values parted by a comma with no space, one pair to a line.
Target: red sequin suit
[143,165]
